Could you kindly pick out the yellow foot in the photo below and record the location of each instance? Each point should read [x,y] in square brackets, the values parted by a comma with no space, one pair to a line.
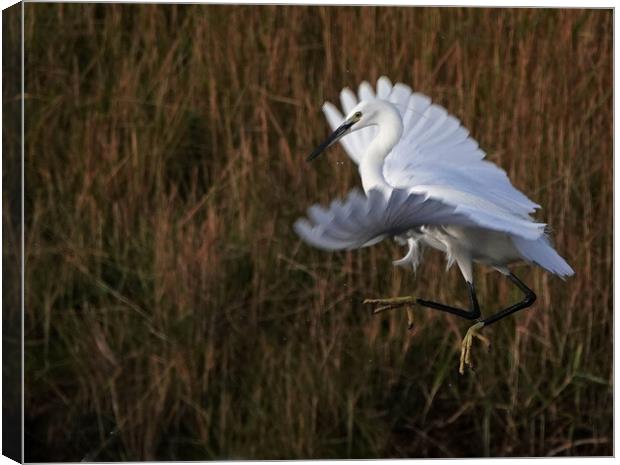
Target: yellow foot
[394,302]
[466,345]
[409,317]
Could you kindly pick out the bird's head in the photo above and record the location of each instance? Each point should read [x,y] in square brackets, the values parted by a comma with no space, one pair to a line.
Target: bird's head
[364,114]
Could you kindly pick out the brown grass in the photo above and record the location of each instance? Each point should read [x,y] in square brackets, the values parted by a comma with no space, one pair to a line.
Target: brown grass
[171,312]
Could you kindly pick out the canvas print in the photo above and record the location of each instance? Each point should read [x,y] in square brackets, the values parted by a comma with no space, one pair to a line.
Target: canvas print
[310,232]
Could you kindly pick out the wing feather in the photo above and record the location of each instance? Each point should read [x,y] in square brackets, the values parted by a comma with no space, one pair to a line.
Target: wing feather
[347,99]
[418,104]
[400,97]
[384,88]
[365,91]
[361,221]
[434,150]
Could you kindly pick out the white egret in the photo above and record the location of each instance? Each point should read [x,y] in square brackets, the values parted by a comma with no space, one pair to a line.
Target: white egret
[426,183]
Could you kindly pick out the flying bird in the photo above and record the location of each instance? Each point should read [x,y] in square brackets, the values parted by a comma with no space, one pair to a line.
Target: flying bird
[426,183]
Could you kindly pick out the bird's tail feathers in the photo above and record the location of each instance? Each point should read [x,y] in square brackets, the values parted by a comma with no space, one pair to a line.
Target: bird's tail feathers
[542,253]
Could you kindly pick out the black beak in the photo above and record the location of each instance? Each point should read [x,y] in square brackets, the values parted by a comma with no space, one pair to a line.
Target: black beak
[337,134]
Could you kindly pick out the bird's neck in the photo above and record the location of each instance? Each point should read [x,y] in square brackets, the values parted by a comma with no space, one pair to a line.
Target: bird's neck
[371,166]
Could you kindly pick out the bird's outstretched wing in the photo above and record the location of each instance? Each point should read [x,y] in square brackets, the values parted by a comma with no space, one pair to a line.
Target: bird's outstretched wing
[435,156]
[362,220]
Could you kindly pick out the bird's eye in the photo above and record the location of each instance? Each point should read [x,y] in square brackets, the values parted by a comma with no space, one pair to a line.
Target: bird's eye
[357,115]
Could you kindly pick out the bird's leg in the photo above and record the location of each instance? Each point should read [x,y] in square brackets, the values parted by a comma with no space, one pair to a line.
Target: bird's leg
[409,318]
[409,301]
[472,332]
[392,303]
[530,298]
[472,314]
[466,345]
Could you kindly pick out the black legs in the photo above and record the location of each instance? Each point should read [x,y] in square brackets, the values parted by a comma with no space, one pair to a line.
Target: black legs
[529,299]
[474,312]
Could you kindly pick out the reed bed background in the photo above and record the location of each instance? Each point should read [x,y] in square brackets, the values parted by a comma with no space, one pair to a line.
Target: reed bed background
[172,313]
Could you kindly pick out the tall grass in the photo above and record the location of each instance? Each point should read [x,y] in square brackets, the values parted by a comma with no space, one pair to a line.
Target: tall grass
[172,313]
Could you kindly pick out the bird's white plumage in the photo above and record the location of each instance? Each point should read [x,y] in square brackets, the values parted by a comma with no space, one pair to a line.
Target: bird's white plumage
[360,220]
[435,150]
[363,220]
[434,186]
